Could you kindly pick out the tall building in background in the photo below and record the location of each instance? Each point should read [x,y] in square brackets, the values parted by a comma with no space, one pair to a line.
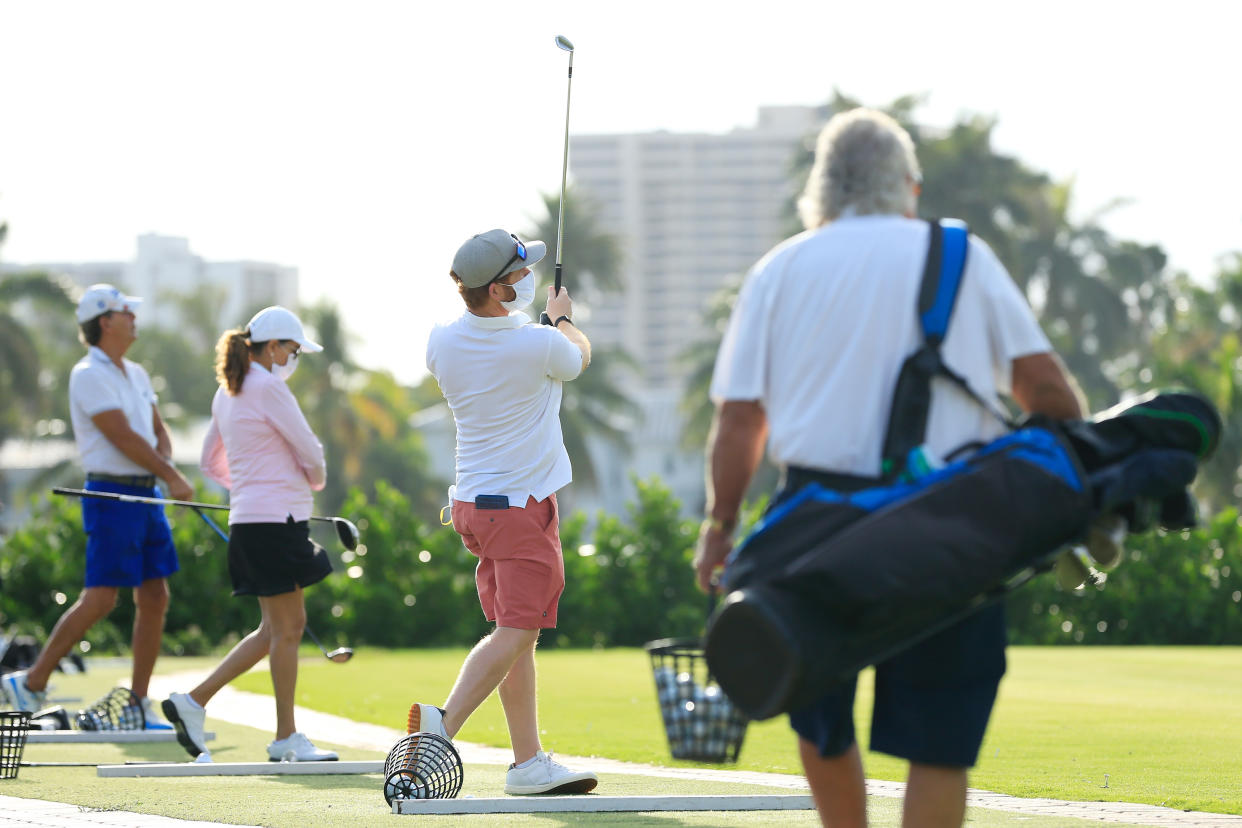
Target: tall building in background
[692,211]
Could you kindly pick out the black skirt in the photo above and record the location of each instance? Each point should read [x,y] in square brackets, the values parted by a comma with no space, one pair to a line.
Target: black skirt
[274,558]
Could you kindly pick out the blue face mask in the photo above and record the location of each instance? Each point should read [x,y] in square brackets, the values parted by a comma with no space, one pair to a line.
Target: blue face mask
[525,289]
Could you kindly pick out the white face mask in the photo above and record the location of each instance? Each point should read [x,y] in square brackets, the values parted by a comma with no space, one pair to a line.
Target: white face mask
[525,288]
[283,372]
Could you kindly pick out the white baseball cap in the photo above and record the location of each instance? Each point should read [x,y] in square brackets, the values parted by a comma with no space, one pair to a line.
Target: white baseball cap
[100,299]
[280,323]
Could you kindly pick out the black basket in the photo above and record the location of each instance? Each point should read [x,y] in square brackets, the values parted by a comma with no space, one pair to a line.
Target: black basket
[422,766]
[701,723]
[119,710]
[14,726]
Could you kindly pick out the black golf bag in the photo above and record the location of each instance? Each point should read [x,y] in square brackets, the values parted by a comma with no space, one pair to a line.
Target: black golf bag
[832,581]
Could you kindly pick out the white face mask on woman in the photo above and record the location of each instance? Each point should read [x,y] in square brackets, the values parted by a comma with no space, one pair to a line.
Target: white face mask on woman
[283,372]
[525,289]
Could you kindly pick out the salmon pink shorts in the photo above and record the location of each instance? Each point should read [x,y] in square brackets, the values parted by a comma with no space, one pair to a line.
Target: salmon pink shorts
[521,573]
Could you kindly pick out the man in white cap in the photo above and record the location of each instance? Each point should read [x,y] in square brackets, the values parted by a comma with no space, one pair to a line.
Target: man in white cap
[502,376]
[125,449]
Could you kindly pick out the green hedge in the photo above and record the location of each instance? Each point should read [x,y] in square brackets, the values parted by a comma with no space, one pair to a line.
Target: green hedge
[411,583]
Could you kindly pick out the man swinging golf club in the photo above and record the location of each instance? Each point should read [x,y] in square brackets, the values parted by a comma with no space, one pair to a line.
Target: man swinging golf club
[260,447]
[125,449]
[501,375]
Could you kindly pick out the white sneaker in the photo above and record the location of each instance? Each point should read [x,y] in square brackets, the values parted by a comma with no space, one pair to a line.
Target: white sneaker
[21,697]
[187,716]
[544,776]
[426,718]
[297,748]
[151,719]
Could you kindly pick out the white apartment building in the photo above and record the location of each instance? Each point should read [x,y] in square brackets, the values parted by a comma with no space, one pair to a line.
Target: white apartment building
[164,267]
[692,211]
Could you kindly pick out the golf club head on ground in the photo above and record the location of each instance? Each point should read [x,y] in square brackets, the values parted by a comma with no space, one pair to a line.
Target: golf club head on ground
[340,655]
[562,42]
[347,532]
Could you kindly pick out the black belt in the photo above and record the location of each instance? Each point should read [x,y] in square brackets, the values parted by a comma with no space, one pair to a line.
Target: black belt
[795,477]
[145,481]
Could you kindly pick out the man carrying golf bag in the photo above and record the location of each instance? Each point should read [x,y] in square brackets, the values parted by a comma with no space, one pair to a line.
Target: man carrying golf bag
[809,363]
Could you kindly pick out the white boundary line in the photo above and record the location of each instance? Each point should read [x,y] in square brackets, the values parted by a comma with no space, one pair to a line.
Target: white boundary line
[603,804]
[104,736]
[241,768]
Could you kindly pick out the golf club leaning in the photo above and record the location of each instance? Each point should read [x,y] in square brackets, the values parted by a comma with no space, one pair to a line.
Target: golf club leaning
[346,531]
[340,655]
[562,43]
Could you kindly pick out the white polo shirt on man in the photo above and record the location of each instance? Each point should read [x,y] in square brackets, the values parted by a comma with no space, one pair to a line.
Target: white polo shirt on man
[825,321]
[502,379]
[96,385]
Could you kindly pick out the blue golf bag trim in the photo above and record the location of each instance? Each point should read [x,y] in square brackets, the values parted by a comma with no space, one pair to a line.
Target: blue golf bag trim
[955,240]
[1032,445]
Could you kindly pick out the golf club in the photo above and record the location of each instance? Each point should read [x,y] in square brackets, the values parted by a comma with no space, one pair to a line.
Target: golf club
[340,655]
[346,531]
[562,43]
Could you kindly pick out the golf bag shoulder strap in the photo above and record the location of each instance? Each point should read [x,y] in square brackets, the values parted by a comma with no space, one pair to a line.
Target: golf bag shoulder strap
[947,246]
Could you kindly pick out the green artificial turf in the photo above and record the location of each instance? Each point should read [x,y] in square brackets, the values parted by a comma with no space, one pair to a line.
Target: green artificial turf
[1161,722]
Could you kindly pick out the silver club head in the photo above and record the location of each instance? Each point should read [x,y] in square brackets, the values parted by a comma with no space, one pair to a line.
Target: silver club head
[562,42]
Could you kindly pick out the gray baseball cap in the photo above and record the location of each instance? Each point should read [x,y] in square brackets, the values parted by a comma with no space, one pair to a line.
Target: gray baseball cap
[494,253]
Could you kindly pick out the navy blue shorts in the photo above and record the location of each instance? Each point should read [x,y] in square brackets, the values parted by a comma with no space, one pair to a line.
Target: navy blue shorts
[932,701]
[126,543]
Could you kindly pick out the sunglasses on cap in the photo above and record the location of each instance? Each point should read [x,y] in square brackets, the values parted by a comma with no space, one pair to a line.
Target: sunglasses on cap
[518,255]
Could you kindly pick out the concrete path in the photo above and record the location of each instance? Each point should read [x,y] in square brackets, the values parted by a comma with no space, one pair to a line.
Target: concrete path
[255,710]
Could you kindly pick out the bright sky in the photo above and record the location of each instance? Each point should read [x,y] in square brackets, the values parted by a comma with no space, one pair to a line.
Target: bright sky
[362,142]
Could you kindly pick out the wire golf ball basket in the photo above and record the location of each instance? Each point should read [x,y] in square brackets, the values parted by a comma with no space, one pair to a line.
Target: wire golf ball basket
[701,723]
[422,766]
[14,727]
[119,710]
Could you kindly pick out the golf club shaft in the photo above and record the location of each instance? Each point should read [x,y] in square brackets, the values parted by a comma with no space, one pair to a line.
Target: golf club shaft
[156,501]
[224,536]
[560,213]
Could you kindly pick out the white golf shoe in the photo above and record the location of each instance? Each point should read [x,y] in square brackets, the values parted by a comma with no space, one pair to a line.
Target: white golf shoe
[20,696]
[297,748]
[187,717]
[545,776]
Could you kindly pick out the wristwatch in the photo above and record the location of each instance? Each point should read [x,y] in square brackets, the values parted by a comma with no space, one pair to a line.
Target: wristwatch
[561,319]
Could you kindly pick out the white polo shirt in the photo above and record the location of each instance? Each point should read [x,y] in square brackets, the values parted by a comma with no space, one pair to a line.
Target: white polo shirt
[502,379]
[97,385]
[826,319]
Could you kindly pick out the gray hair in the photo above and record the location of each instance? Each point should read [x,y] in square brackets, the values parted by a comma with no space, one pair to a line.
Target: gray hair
[864,162]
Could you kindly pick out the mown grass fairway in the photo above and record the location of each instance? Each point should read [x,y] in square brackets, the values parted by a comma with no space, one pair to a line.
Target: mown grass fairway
[1161,722]
[346,801]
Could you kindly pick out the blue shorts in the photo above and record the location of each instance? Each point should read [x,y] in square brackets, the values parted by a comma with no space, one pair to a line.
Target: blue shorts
[932,701]
[126,543]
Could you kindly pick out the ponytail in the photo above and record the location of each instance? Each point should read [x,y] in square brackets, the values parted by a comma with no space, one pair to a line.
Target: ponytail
[233,352]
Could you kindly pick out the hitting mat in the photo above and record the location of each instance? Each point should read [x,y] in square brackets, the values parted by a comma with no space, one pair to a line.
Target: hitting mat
[241,768]
[603,804]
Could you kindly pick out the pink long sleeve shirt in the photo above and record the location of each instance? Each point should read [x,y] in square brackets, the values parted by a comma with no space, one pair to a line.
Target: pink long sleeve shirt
[260,447]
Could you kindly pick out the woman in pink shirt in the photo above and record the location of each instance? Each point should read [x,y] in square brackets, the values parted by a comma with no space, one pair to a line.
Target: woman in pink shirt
[260,447]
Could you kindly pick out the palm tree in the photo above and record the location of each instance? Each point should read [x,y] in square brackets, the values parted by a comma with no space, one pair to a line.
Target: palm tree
[595,404]
[592,260]
[22,395]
